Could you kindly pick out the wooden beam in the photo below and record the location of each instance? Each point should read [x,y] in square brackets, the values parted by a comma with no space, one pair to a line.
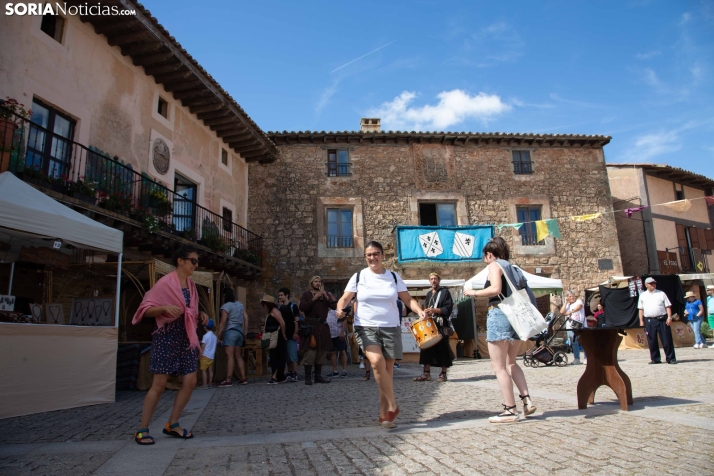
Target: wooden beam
[207,108]
[171,74]
[220,120]
[149,59]
[141,48]
[237,137]
[164,68]
[247,155]
[182,85]
[243,143]
[191,93]
[243,151]
[197,101]
[113,26]
[223,128]
[126,38]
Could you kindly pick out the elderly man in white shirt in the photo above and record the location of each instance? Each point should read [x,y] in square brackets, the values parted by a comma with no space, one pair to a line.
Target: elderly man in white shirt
[656,317]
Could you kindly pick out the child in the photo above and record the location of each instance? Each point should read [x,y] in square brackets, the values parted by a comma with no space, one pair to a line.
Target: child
[208,352]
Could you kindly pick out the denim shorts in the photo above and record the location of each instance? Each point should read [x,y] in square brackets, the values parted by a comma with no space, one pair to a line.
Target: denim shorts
[498,327]
[292,346]
[233,338]
[389,339]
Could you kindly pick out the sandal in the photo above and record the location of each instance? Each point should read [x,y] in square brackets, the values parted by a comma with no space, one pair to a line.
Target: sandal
[506,417]
[388,420]
[425,377]
[142,437]
[528,407]
[169,430]
[442,377]
[366,376]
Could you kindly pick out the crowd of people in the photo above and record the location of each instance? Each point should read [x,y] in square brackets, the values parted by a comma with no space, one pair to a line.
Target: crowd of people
[374,301]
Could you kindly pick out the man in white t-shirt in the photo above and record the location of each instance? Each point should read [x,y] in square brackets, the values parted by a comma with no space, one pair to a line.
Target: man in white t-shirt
[656,317]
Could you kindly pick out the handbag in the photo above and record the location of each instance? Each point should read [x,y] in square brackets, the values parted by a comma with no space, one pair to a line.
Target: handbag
[270,339]
[524,317]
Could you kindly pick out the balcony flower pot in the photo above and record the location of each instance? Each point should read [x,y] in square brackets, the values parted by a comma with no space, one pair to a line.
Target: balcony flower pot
[58,187]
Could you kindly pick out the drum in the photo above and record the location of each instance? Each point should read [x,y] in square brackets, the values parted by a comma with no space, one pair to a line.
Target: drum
[426,333]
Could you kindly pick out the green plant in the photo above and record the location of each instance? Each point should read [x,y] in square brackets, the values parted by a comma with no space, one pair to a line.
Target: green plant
[189,234]
[248,256]
[11,109]
[82,186]
[34,172]
[706,330]
[116,202]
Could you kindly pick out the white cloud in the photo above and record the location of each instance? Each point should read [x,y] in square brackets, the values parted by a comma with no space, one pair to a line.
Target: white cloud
[648,55]
[454,107]
[326,96]
[651,145]
[496,43]
[685,18]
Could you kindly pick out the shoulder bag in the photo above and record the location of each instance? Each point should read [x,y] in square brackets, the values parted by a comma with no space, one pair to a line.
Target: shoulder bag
[524,317]
[270,339]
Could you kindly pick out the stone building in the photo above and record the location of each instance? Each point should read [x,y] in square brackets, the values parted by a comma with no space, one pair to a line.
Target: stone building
[328,193]
[657,239]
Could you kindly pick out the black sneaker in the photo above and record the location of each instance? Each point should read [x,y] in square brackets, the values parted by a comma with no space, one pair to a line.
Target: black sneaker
[273,382]
[335,373]
[673,362]
[651,362]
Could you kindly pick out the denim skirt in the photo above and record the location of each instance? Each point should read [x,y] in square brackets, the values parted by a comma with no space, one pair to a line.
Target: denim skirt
[498,327]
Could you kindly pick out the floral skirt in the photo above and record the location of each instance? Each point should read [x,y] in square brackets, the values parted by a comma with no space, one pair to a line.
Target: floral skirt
[171,351]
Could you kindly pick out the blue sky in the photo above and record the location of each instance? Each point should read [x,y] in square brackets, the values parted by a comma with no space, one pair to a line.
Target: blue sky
[639,71]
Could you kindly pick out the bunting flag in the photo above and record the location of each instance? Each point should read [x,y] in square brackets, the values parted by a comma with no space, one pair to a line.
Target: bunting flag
[709,200]
[547,227]
[592,216]
[700,266]
[678,206]
[517,226]
[631,211]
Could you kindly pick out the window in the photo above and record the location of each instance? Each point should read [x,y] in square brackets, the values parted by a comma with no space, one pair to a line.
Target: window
[437,214]
[528,216]
[53,25]
[339,228]
[522,164]
[184,201]
[224,157]
[49,145]
[678,192]
[338,164]
[163,108]
[227,219]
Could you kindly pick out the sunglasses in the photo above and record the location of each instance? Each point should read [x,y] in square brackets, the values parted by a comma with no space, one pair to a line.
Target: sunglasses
[194,261]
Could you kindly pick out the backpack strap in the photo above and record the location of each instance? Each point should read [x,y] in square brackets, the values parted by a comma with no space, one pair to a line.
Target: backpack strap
[357,280]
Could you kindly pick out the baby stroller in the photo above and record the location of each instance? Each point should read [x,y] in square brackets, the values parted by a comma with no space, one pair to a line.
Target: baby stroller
[544,353]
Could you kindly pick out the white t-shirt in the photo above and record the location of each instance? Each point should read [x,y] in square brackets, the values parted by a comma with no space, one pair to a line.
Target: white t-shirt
[654,303]
[578,315]
[210,340]
[376,298]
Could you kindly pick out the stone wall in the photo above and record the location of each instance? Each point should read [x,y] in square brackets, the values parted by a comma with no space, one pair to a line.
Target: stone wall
[389,180]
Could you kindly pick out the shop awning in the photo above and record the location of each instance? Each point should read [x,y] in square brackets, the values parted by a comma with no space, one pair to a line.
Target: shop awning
[540,285]
[25,209]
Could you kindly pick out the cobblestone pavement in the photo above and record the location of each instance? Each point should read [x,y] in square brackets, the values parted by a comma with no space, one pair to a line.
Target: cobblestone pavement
[331,429]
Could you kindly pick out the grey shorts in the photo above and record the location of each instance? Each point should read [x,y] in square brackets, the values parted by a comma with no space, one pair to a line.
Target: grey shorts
[389,339]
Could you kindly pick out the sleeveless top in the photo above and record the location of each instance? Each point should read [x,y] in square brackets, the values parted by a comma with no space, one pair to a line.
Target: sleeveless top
[516,277]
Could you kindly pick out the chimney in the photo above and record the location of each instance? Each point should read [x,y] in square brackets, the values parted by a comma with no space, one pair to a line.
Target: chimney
[370,124]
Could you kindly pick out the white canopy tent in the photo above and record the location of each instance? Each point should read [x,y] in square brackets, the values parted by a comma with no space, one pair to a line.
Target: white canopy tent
[539,285]
[47,367]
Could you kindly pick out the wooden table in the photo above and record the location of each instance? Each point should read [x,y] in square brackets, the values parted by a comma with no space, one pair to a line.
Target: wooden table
[600,345]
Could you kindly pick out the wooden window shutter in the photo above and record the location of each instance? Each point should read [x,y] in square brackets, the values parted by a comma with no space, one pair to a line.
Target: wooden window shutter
[702,239]
[694,237]
[681,236]
[709,236]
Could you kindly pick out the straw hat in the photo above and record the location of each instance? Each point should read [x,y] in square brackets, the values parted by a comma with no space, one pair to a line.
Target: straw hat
[689,294]
[268,299]
[710,287]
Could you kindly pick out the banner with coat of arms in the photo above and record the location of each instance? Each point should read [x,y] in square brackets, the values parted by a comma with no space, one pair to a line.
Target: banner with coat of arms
[446,244]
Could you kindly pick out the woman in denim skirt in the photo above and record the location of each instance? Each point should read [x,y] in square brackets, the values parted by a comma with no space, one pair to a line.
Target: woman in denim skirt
[503,343]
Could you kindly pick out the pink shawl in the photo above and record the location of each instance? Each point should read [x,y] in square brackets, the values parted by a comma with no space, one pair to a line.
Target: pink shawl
[167,292]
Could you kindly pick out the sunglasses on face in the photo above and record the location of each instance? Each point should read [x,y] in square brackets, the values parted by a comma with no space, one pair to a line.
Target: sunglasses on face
[194,261]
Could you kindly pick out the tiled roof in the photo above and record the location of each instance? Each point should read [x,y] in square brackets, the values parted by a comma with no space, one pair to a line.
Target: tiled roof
[669,172]
[450,138]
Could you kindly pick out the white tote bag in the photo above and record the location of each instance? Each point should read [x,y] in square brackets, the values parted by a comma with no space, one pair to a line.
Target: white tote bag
[524,317]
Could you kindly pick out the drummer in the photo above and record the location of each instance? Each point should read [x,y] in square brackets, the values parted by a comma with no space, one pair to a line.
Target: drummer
[438,306]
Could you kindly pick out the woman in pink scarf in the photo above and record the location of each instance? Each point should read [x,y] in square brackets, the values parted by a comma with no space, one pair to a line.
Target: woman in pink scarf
[173,302]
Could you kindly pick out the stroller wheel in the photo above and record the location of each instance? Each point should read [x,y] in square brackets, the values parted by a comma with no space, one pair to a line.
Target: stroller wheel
[560,359]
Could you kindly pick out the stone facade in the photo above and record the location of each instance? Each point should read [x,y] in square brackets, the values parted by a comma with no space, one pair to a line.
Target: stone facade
[387,181]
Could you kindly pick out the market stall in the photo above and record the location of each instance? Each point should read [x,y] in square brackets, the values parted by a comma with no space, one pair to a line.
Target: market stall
[540,285]
[40,355]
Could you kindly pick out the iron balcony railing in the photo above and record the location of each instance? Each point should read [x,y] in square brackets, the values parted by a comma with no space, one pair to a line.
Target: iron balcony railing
[340,242]
[694,260]
[341,169]
[522,167]
[39,156]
